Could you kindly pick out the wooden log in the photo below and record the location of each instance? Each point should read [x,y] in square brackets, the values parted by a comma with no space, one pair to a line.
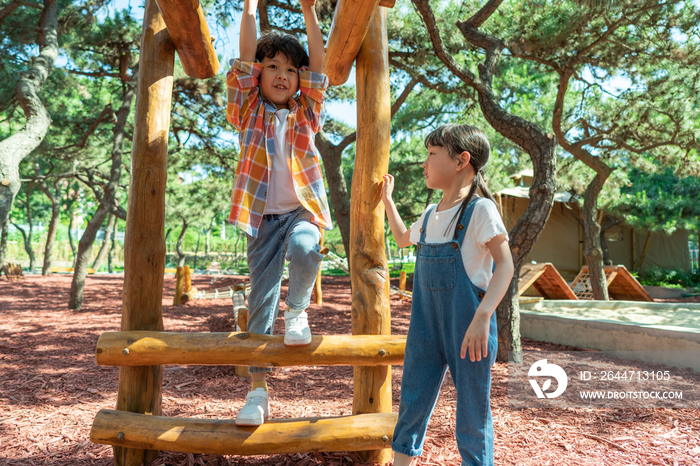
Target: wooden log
[242,319]
[190,34]
[140,348]
[188,279]
[350,25]
[189,295]
[223,437]
[179,284]
[370,271]
[140,388]
[242,324]
[402,283]
[68,269]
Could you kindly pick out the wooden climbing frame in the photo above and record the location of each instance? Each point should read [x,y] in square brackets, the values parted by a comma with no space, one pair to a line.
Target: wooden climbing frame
[620,282]
[13,271]
[546,280]
[137,428]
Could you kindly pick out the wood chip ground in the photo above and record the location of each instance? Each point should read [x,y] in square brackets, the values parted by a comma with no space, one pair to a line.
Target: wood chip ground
[51,388]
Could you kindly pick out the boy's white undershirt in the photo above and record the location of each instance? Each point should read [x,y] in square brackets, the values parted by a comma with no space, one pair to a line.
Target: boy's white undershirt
[485,224]
[281,196]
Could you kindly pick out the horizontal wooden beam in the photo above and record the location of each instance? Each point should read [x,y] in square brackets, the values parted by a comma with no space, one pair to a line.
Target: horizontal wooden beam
[146,348]
[190,34]
[223,437]
[350,25]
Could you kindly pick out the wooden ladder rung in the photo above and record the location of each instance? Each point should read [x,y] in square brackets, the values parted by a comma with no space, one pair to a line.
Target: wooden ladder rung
[223,437]
[145,348]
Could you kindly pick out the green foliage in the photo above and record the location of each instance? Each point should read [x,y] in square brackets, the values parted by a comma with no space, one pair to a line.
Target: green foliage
[660,201]
[672,278]
[637,91]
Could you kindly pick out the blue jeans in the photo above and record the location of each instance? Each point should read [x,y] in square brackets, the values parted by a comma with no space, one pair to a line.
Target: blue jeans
[444,303]
[289,236]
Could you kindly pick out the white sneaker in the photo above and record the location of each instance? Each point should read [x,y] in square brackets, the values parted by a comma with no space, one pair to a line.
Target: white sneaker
[256,408]
[296,329]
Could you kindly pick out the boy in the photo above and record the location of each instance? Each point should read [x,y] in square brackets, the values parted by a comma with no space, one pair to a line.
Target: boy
[278,198]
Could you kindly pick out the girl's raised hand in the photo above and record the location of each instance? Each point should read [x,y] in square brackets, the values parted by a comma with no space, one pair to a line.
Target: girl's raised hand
[307,2]
[476,340]
[387,188]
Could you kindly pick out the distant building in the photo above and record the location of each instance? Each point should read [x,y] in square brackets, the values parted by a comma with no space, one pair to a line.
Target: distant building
[561,241]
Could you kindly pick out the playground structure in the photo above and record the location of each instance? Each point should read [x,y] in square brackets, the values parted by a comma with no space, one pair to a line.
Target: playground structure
[546,280]
[13,271]
[136,428]
[621,284]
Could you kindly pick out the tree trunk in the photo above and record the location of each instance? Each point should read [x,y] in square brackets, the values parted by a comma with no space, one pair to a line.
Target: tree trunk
[105,243]
[16,147]
[196,249]
[523,236]
[53,224]
[604,247]
[71,241]
[106,202]
[110,256]
[27,239]
[429,198]
[337,187]
[178,245]
[3,241]
[207,243]
[592,249]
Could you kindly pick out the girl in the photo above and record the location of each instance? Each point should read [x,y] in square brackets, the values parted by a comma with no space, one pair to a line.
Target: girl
[463,269]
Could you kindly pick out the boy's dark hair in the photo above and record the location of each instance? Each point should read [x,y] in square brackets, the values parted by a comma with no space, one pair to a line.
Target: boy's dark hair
[272,43]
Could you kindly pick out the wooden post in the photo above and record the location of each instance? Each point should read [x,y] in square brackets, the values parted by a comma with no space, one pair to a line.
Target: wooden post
[144,244]
[242,323]
[188,279]
[179,283]
[318,293]
[370,275]
[402,283]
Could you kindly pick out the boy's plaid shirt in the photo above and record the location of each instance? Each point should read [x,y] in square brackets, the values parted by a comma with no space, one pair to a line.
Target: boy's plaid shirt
[252,116]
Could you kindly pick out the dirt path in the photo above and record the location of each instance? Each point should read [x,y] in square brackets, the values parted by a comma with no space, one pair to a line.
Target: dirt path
[51,388]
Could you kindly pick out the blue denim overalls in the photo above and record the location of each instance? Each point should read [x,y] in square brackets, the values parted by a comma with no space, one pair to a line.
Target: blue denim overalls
[444,303]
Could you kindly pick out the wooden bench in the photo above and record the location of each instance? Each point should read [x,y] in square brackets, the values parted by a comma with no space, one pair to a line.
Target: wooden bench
[67,270]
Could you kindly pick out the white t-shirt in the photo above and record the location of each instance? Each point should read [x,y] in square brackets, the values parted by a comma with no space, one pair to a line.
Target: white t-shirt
[281,196]
[485,224]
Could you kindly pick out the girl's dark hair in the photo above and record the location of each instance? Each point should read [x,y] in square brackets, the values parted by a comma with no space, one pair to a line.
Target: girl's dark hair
[464,138]
[272,43]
